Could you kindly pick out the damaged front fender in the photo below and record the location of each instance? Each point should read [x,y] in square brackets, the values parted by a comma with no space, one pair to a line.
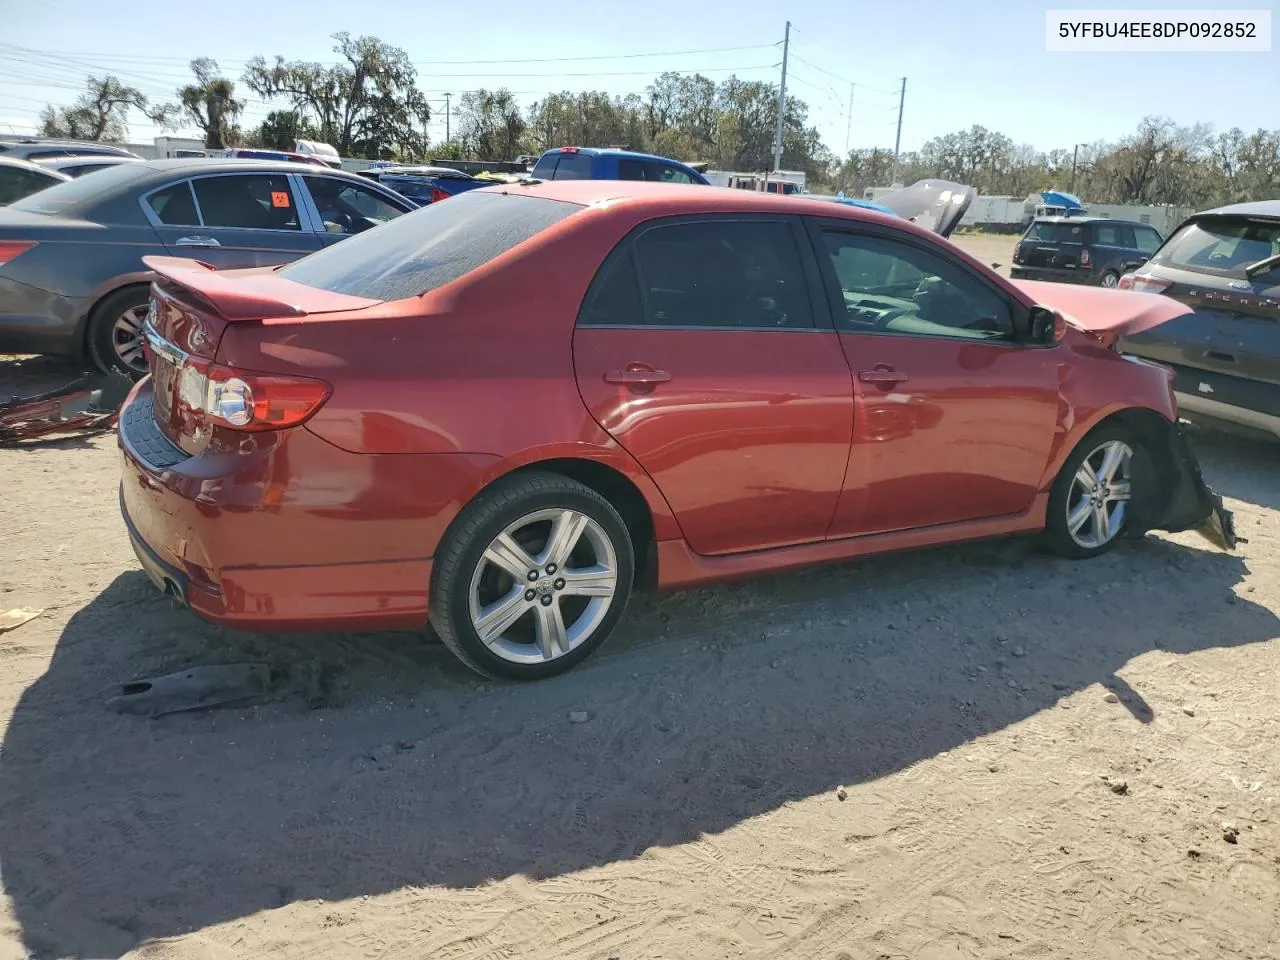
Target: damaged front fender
[1175,496]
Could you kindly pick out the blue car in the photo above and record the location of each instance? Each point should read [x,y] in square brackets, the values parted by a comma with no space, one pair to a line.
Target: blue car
[592,163]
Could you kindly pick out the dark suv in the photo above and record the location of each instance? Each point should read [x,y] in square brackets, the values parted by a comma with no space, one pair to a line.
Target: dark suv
[1225,265]
[1094,250]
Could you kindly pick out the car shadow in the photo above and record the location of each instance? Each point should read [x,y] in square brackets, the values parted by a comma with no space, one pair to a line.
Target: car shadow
[710,707]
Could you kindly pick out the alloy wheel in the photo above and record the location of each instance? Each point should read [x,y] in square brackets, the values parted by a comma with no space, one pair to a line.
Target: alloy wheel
[1110,280]
[543,585]
[126,339]
[1099,495]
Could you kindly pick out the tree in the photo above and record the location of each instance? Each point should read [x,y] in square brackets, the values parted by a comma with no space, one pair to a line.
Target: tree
[490,124]
[210,104]
[100,113]
[280,129]
[368,105]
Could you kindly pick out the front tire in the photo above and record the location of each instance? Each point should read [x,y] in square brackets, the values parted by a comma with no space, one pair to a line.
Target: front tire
[1089,500]
[531,577]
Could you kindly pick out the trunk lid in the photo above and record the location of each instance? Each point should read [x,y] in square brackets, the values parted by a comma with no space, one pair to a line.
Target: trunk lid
[191,306]
[1108,314]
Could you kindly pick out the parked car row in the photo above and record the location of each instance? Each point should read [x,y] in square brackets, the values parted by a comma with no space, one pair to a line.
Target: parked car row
[72,278]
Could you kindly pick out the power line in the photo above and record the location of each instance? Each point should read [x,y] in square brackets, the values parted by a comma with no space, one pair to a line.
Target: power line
[159,60]
[836,76]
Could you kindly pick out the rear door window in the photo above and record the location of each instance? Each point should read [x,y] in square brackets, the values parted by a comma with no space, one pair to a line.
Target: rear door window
[429,247]
[723,273]
[255,202]
[632,170]
[1222,245]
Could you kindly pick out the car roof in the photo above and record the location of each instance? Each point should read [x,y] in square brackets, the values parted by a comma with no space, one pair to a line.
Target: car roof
[675,199]
[191,166]
[1256,208]
[84,159]
[1060,219]
[615,152]
[17,163]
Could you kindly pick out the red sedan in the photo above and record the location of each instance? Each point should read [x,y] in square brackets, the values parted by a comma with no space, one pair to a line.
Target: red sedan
[505,412]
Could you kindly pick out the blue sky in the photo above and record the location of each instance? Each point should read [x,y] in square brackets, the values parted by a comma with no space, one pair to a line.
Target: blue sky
[980,61]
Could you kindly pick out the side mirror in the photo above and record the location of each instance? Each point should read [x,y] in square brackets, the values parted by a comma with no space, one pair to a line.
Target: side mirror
[1047,326]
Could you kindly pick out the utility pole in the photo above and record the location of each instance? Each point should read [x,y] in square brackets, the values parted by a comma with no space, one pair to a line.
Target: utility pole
[782,101]
[897,141]
[848,126]
[446,117]
[1075,155]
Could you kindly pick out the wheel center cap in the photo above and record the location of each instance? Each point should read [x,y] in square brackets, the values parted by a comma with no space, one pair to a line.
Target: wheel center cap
[545,587]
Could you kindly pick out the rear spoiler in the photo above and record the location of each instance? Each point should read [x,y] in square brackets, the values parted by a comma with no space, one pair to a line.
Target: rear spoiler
[250,294]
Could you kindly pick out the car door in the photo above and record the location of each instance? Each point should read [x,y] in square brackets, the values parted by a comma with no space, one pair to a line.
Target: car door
[233,220]
[953,417]
[343,207]
[703,347]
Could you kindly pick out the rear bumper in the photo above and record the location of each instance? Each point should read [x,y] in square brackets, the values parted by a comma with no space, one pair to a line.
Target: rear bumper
[292,534]
[37,321]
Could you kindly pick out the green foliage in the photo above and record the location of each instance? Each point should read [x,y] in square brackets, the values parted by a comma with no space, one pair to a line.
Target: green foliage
[209,104]
[369,105]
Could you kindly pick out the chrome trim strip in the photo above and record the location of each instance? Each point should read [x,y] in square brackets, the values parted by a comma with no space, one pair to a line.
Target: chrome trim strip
[159,345]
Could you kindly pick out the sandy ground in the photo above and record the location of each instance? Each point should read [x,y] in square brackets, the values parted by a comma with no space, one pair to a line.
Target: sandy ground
[976,751]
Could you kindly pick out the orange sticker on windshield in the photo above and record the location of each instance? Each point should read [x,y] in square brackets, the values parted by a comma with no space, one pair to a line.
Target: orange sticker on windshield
[279,198]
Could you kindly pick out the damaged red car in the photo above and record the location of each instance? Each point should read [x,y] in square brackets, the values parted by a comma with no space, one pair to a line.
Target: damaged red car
[504,413]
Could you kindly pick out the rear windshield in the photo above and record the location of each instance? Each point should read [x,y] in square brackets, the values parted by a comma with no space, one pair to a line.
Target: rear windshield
[563,166]
[428,248]
[1220,245]
[1056,233]
[77,196]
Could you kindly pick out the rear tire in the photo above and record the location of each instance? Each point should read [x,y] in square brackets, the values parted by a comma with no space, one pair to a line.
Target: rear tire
[1089,501]
[531,577]
[1109,280]
[116,331]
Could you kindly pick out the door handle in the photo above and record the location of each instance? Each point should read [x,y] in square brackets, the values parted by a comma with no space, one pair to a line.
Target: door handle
[197,242]
[882,375]
[637,375]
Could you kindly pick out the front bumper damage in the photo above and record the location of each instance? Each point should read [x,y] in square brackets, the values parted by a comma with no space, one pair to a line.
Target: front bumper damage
[1179,498]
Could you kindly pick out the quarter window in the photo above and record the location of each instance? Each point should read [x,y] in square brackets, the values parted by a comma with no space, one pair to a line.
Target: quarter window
[897,288]
[256,202]
[740,273]
[174,206]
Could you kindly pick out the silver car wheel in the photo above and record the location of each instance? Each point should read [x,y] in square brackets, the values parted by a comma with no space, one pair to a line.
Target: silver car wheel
[1099,495]
[126,338]
[1110,279]
[543,586]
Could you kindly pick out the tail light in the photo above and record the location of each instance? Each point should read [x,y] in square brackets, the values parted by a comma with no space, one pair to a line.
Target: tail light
[1143,283]
[240,400]
[1017,254]
[437,195]
[1085,259]
[12,248]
